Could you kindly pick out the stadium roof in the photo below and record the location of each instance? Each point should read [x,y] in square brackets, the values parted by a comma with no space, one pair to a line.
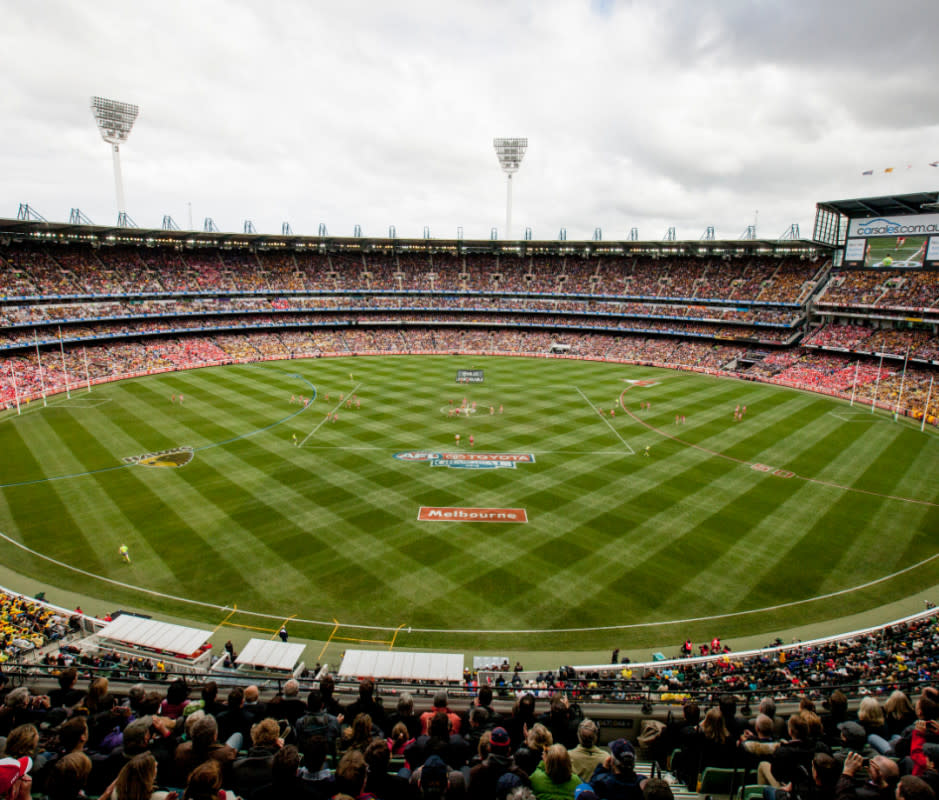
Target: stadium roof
[110,235]
[270,654]
[882,206]
[402,665]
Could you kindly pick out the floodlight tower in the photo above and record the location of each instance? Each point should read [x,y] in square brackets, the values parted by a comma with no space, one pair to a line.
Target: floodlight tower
[115,120]
[510,153]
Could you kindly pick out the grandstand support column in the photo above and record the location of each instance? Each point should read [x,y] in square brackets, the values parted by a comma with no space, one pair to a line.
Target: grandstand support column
[922,426]
[16,391]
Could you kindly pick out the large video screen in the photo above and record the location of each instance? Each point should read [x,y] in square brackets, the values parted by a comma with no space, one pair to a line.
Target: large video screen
[899,242]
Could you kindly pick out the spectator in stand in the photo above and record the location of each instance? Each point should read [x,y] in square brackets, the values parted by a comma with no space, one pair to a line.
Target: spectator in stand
[205,783]
[898,713]
[202,746]
[66,695]
[136,781]
[616,777]
[793,758]
[359,735]
[926,729]
[288,705]
[485,776]
[440,707]
[68,777]
[913,788]
[586,756]
[523,716]
[285,783]
[881,783]
[177,698]
[367,703]
[405,715]
[529,755]
[554,777]
[254,770]
[380,783]
[234,725]
[562,720]
[441,741]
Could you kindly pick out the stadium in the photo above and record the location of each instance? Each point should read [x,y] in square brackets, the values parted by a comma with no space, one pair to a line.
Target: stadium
[683,441]
[492,514]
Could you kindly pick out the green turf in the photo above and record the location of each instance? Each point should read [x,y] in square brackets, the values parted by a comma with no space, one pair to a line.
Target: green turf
[329,531]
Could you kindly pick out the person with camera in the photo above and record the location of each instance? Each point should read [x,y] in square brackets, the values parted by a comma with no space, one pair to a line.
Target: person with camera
[881,783]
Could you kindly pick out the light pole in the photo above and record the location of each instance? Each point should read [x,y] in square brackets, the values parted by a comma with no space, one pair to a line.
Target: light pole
[510,153]
[115,119]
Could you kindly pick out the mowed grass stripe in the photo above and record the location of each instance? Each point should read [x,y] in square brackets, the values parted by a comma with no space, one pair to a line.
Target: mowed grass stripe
[100,503]
[32,507]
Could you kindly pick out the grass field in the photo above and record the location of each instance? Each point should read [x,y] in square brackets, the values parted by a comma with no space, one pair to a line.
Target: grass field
[328,530]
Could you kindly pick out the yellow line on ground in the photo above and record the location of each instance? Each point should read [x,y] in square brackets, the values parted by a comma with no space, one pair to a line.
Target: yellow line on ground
[233,611]
[395,637]
[335,628]
[362,641]
[250,627]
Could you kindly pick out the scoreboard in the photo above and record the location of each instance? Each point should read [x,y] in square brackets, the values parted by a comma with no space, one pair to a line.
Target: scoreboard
[894,242]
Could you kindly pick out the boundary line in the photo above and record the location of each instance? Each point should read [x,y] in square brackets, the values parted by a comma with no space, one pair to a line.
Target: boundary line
[389,628]
[608,424]
[320,424]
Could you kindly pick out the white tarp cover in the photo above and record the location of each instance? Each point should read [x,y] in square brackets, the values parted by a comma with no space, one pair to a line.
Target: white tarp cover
[137,632]
[402,665]
[270,654]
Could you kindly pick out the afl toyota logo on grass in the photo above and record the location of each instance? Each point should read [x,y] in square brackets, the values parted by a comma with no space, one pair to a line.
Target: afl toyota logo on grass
[175,458]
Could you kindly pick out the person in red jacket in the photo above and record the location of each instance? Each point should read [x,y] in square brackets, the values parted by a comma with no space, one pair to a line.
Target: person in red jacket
[440,705]
[926,729]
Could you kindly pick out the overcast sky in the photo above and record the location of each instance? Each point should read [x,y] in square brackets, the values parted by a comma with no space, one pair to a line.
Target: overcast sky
[638,114]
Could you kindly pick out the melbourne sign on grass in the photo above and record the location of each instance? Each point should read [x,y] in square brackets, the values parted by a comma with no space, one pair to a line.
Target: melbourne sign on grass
[457,514]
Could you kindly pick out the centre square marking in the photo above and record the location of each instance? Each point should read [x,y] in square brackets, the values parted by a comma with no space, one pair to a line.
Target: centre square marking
[464,514]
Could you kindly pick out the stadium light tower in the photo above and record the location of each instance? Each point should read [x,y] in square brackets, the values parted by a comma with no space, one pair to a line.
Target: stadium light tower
[115,120]
[510,153]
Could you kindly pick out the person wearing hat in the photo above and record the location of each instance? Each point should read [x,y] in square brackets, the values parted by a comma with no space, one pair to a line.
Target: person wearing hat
[485,776]
[435,780]
[15,782]
[616,778]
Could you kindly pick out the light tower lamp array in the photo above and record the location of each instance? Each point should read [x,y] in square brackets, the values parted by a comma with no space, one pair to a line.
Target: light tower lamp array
[510,153]
[115,119]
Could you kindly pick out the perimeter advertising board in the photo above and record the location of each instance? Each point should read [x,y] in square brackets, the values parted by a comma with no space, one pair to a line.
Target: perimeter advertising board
[893,242]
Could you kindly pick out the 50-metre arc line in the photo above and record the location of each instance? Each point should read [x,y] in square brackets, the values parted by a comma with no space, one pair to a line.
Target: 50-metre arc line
[208,446]
[718,454]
